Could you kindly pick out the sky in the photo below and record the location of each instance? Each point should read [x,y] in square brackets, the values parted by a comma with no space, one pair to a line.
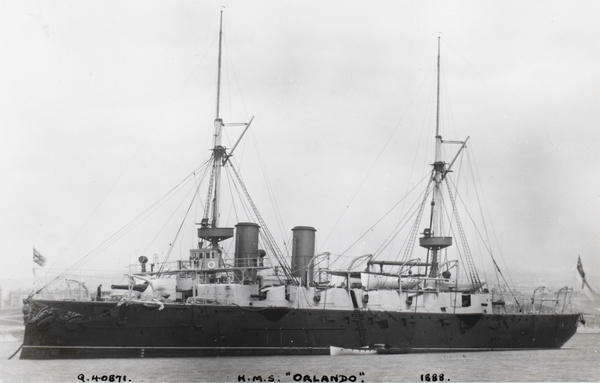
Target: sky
[105,106]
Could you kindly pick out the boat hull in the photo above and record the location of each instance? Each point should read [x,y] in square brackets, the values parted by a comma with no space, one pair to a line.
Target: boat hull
[67,329]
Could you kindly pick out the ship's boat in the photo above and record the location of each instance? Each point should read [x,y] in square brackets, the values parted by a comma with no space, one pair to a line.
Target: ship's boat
[335,351]
[259,301]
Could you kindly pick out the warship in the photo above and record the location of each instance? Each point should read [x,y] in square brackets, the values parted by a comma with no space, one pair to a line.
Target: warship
[257,301]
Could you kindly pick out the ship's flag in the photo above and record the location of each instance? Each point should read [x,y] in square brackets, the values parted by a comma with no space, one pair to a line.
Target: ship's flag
[580,269]
[584,283]
[38,258]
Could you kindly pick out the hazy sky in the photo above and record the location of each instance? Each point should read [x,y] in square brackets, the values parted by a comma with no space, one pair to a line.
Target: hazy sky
[104,106]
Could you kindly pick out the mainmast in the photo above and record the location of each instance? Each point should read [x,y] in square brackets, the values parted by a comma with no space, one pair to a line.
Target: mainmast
[432,239]
[438,138]
[219,66]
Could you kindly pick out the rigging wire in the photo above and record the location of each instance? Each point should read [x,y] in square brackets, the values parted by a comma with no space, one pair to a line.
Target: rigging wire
[121,232]
[270,193]
[381,219]
[373,164]
[469,197]
[261,161]
[164,262]
[233,205]
[247,209]
[445,41]
[466,255]
[195,197]
[473,275]
[427,121]
[478,199]
[232,67]
[209,193]
[194,242]
[148,211]
[424,123]
[490,253]
[270,240]
[196,191]
[135,155]
[475,175]
[388,241]
[415,228]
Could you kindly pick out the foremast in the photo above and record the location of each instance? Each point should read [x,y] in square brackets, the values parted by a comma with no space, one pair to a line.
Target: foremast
[219,150]
[209,227]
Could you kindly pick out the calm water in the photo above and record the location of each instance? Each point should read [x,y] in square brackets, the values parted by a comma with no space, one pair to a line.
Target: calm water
[579,360]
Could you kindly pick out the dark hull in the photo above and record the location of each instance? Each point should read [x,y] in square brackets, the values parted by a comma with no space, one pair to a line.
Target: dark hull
[64,329]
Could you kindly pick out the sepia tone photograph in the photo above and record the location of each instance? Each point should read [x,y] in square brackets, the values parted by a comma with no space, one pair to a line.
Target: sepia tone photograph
[299,191]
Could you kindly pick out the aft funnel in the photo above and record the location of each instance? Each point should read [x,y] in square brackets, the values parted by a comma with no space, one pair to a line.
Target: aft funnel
[303,250]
